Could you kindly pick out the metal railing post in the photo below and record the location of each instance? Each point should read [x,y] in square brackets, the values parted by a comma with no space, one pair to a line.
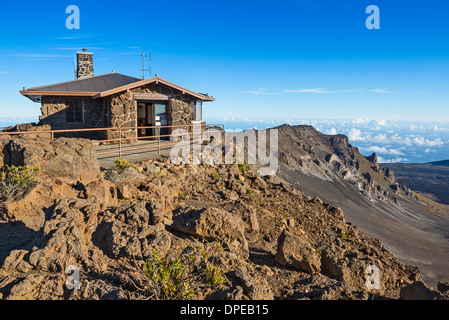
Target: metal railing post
[120,142]
[159,142]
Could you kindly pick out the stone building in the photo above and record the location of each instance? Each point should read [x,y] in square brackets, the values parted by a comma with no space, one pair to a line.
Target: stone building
[116,100]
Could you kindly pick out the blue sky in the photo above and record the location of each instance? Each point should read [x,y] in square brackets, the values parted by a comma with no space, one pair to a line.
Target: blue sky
[259,59]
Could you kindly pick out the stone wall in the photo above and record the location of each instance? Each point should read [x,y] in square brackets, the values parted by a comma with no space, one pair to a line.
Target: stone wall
[117,111]
[85,63]
[181,113]
[123,115]
[179,104]
[53,113]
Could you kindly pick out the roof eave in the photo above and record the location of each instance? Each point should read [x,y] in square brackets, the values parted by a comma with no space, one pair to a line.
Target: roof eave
[58,93]
[156,80]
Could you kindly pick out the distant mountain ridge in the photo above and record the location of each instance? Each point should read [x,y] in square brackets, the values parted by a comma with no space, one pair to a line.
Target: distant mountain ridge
[409,224]
[444,163]
[430,179]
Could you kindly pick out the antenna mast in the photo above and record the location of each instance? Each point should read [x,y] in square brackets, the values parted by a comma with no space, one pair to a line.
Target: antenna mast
[143,64]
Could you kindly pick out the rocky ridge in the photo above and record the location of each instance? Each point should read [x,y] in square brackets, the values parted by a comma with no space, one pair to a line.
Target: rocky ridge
[267,239]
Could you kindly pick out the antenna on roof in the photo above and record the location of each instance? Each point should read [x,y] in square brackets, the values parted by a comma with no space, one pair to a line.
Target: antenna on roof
[143,64]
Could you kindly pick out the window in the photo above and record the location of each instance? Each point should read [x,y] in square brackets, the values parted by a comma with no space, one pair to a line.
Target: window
[196,109]
[199,110]
[74,111]
[192,109]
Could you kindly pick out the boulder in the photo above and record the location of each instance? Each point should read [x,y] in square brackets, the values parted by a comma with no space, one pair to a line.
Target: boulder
[30,127]
[36,286]
[127,191]
[251,288]
[443,287]
[214,224]
[30,207]
[298,253]
[133,176]
[64,159]
[331,265]
[418,290]
[4,152]
[254,220]
[102,190]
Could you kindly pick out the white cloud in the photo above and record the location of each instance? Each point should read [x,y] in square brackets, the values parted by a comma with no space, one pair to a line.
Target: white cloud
[41,56]
[381,90]
[321,91]
[74,37]
[394,160]
[332,131]
[261,91]
[313,90]
[382,150]
[381,138]
[370,121]
[422,142]
[76,48]
[357,135]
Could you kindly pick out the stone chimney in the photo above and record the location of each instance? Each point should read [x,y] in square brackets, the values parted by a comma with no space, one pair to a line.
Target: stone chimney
[85,64]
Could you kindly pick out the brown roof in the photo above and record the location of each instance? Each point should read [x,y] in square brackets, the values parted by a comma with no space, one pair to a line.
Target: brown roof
[102,86]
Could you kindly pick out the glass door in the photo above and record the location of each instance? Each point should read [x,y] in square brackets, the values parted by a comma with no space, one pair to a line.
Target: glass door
[161,119]
[141,119]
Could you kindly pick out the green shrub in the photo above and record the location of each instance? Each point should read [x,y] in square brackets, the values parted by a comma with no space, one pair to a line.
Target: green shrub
[214,176]
[168,278]
[343,235]
[214,276]
[250,192]
[121,165]
[183,196]
[178,278]
[14,180]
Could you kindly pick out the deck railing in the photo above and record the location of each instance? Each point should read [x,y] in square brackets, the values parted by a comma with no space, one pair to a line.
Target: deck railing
[120,140]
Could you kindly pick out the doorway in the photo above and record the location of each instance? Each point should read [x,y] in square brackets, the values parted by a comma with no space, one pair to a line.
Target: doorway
[152,114]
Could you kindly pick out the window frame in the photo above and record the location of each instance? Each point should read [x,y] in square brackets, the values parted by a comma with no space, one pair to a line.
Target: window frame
[200,106]
[194,110]
[73,103]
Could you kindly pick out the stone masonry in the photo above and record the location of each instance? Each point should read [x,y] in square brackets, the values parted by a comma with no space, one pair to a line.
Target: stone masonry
[85,64]
[116,111]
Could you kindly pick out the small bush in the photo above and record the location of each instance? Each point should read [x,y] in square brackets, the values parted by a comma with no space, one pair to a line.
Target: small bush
[214,176]
[214,276]
[15,180]
[121,165]
[343,235]
[183,196]
[242,167]
[250,192]
[168,278]
[178,278]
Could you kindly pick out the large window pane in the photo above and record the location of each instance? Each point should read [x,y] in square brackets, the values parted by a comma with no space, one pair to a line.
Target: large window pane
[199,115]
[78,112]
[160,114]
[192,110]
[74,111]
